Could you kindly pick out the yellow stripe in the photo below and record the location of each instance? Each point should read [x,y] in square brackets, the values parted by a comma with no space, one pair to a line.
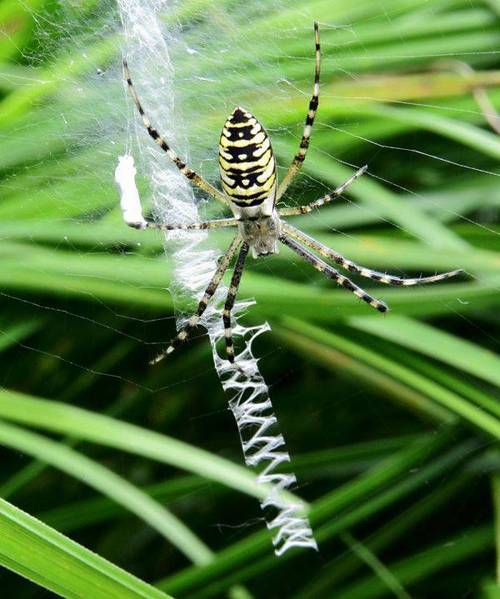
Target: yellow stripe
[251,121]
[266,186]
[243,166]
[242,143]
[264,177]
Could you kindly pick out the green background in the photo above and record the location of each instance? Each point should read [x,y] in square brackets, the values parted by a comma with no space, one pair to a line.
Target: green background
[117,476]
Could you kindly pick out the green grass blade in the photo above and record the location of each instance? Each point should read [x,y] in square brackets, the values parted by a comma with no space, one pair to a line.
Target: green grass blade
[424,338]
[379,199]
[357,495]
[83,424]
[451,401]
[397,528]
[140,281]
[495,479]
[55,562]
[344,362]
[10,335]
[426,564]
[382,572]
[109,483]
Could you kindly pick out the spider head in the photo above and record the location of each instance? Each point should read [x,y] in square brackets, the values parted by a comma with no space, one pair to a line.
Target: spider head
[240,115]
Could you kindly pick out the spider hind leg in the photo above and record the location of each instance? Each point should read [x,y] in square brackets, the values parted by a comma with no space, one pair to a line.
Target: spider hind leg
[230,300]
[374,275]
[333,274]
[183,334]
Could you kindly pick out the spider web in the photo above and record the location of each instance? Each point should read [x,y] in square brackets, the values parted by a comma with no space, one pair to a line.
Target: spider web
[263,446]
[156,50]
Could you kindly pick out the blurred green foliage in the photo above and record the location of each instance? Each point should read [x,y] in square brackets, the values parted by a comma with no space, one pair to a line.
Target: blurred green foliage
[393,422]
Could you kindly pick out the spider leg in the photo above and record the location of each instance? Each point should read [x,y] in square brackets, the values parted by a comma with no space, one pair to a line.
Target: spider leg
[294,210]
[313,106]
[183,334]
[333,274]
[374,275]
[231,298]
[185,170]
[208,224]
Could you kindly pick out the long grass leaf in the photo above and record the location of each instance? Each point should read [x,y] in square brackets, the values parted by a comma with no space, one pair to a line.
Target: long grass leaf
[83,424]
[109,483]
[438,344]
[55,562]
[453,402]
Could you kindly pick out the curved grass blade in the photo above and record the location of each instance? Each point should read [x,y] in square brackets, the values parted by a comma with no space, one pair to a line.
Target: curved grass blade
[343,567]
[55,562]
[380,200]
[467,545]
[339,510]
[444,397]
[83,424]
[109,483]
[429,340]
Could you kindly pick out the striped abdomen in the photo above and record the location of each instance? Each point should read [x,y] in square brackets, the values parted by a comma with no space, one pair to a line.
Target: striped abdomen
[246,160]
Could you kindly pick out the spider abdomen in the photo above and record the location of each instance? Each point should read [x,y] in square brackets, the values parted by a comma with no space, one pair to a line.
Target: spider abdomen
[246,161]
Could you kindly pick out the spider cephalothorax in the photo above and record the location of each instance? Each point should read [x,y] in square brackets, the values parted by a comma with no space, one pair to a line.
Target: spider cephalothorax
[250,189]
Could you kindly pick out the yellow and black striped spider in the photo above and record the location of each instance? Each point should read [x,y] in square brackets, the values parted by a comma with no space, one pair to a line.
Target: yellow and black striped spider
[250,189]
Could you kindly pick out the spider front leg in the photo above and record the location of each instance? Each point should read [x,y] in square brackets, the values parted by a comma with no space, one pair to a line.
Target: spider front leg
[183,334]
[160,141]
[374,275]
[295,210]
[130,204]
[231,298]
[333,274]
[300,156]
[203,226]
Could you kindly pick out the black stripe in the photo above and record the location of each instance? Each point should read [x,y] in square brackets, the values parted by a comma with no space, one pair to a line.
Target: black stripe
[252,169]
[238,116]
[239,178]
[252,196]
[235,152]
[176,342]
[202,306]
[247,204]
[234,133]
[348,285]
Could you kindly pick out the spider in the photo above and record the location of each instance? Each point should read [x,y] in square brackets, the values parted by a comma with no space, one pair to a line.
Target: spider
[251,190]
